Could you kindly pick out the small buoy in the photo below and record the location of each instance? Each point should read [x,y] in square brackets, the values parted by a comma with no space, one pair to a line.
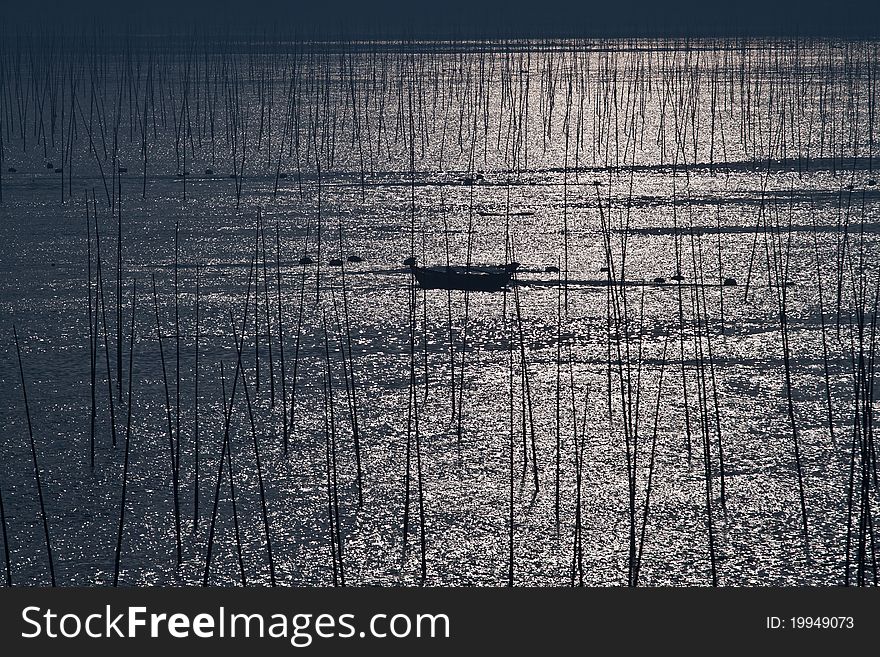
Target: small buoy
[551,269]
[659,280]
[123,169]
[410,262]
[678,277]
[729,281]
[282,175]
[209,172]
[49,165]
[11,169]
[306,260]
[336,262]
[59,170]
[354,258]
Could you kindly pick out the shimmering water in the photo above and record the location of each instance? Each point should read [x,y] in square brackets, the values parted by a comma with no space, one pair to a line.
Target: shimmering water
[748,160]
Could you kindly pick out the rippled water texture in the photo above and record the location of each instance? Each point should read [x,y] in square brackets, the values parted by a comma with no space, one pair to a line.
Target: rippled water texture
[587,424]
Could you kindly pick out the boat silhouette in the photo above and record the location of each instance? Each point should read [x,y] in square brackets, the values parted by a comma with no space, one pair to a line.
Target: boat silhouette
[472,278]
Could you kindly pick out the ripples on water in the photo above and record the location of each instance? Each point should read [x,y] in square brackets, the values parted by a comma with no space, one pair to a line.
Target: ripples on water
[752,161]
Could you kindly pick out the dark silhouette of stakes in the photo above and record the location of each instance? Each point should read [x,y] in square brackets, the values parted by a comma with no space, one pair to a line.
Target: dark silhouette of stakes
[127,437]
[171,442]
[27,412]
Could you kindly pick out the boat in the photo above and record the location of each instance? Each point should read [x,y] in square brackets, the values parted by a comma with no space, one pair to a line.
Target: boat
[473,278]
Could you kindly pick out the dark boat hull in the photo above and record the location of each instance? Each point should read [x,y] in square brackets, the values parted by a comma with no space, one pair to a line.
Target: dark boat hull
[475,279]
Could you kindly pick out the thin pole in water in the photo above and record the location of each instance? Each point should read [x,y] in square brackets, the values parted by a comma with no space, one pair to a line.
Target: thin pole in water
[5,540]
[177,345]
[127,438]
[170,430]
[196,405]
[119,300]
[281,337]
[27,413]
